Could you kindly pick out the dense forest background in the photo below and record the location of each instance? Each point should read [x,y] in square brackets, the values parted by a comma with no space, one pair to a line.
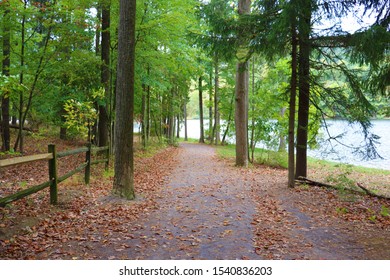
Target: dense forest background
[264,67]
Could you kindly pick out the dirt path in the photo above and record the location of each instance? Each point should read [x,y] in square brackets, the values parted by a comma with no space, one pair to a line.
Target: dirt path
[205,212]
[212,210]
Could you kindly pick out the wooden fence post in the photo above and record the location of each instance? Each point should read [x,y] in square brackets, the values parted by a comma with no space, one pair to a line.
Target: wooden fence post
[53,174]
[88,167]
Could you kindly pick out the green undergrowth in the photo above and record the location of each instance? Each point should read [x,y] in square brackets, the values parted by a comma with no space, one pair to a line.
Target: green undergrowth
[335,166]
[152,148]
[189,140]
[261,156]
[343,175]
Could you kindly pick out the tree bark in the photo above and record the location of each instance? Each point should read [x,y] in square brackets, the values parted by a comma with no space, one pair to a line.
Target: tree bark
[103,124]
[201,138]
[143,116]
[228,121]
[242,87]
[217,122]
[124,156]
[292,104]
[148,120]
[282,135]
[211,107]
[252,145]
[185,122]
[304,88]
[178,127]
[171,118]
[241,116]
[5,129]
[98,29]
[21,80]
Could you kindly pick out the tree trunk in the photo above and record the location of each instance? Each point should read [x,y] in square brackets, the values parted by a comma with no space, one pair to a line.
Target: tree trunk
[171,118]
[304,89]
[292,104]
[211,107]
[242,86]
[98,29]
[20,140]
[252,144]
[242,82]
[201,138]
[178,127]
[282,136]
[217,122]
[63,133]
[103,124]
[185,122]
[228,121]
[148,120]
[124,156]
[6,135]
[143,116]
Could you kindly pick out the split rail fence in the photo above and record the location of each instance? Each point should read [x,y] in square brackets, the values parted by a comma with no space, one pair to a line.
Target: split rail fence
[52,157]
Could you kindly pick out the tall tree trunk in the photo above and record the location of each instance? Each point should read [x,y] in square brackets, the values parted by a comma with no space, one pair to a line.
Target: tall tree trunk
[304,88]
[148,119]
[241,116]
[143,116]
[98,29]
[124,157]
[201,138]
[103,124]
[217,122]
[6,136]
[242,86]
[252,144]
[292,104]
[210,136]
[229,120]
[178,127]
[282,135]
[185,122]
[171,118]
[21,81]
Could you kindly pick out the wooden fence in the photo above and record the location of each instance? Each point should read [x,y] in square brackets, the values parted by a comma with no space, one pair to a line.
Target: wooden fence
[52,156]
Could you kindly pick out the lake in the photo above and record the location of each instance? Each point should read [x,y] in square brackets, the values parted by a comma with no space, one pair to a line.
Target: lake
[332,150]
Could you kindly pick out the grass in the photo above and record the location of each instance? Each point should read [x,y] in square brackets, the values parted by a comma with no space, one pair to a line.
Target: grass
[189,140]
[338,174]
[261,156]
[153,147]
[316,163]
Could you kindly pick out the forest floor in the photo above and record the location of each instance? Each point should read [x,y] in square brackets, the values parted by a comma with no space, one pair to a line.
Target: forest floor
[191,204]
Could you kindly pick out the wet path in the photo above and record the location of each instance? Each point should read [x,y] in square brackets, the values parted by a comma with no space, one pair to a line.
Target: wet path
[205,212]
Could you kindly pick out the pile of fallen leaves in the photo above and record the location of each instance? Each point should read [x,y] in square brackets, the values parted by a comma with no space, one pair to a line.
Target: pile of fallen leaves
[85,217]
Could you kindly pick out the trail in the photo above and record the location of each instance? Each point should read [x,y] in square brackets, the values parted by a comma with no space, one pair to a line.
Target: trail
[205,213]
[209,209]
